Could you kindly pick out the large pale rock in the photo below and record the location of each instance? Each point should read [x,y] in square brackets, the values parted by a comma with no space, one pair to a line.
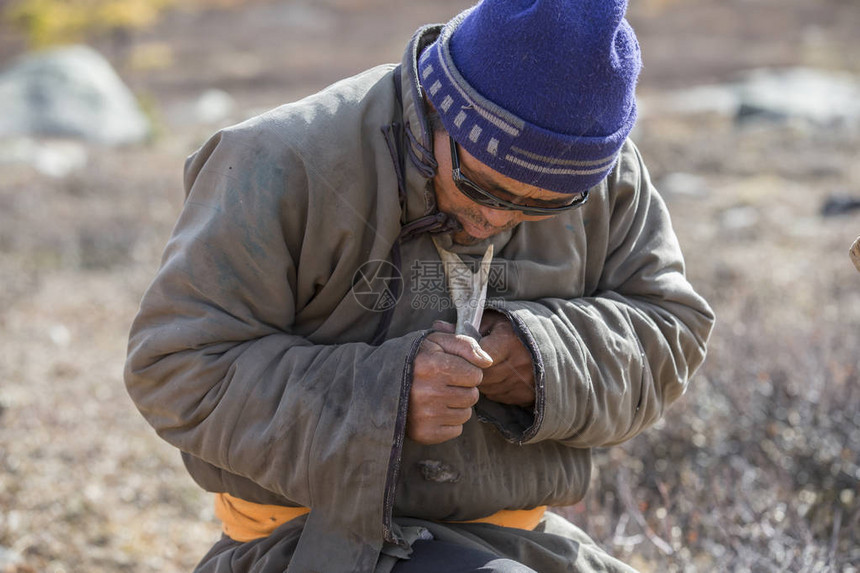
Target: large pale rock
[69,92]
[52,157]
[819,98]
[9,560]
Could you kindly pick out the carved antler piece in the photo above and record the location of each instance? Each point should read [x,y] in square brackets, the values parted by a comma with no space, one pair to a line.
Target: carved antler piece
[468,289]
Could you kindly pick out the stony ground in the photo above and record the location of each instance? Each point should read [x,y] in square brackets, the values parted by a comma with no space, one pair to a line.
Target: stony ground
[755,469]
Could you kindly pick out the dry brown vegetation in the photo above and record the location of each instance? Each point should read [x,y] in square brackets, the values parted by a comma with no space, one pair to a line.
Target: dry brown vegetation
[754,469]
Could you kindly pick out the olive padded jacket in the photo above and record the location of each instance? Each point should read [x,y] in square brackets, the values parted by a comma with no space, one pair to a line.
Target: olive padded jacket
[253,351]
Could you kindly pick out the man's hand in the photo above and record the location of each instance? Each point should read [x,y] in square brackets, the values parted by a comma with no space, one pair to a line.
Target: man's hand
[447,372]
[510,379]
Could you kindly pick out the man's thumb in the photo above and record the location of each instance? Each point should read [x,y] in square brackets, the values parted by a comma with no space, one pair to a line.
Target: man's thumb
[463,346]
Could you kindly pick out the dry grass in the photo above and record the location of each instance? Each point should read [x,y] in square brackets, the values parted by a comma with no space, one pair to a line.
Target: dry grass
[756,469]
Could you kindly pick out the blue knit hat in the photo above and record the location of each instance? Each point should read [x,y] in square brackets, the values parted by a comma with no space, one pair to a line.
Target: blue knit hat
[542,91]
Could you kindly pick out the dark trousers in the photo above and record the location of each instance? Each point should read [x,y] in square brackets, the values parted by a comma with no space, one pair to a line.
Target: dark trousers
[444,557]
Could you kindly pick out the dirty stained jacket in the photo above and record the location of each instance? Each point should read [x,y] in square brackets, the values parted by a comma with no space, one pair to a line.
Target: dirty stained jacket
[263,353]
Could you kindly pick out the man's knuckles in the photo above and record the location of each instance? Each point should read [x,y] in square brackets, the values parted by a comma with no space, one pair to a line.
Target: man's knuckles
[459,416]
[495,346]
[464,398]
[465,347]
[447,369]
[427,397]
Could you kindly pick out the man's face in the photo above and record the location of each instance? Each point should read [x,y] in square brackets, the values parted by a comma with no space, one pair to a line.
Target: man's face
[477,221]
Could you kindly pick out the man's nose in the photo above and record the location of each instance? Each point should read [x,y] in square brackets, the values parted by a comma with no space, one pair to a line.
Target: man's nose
[499,217]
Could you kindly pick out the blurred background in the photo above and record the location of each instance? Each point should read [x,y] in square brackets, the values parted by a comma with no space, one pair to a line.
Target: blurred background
[750,124]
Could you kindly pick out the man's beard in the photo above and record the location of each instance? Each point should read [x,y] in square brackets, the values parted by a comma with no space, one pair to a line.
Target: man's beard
[462,237]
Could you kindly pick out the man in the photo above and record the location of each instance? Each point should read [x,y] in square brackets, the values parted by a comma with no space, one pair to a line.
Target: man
[291,344]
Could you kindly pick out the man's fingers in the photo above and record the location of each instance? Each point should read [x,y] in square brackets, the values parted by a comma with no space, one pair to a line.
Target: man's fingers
[436,415]
[500,340]
[491,320]
[435,422]
[447,372]
[448,369]
[462,398]
[436,399]
[465,347]
[455,417]
[443,326]
[519,394]
[496,346]
[432,435]
[511,378]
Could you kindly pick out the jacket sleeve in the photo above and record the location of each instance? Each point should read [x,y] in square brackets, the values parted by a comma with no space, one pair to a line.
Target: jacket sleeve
[216,369]
[609,363]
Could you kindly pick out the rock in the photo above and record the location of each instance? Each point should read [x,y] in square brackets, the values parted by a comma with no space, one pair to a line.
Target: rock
[213,106]
[821,98]
[683,184]
[740,218]
[717,99]
[54,158]
[69,92]
[840,205]
[9,559]
[60,335]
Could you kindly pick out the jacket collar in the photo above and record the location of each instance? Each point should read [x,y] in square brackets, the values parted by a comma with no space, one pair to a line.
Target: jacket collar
[420,165]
